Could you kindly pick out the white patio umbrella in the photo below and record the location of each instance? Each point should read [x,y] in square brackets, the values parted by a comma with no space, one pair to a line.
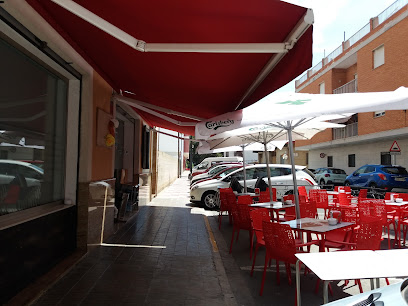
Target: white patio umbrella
[290,111]
[276,135]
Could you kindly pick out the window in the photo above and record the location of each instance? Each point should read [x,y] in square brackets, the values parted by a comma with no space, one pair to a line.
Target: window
[370,169]
[33,120]
[361,170]
[322,88]
[329,161]
[378,57]
[379,114]
[352,160]
[385,158]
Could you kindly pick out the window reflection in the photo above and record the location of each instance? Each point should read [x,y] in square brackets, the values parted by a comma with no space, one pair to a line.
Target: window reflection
[32,132]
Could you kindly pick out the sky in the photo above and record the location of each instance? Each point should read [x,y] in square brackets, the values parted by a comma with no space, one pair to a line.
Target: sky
[335,19]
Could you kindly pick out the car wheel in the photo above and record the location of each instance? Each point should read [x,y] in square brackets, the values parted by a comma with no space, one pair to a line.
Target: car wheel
[209,200]
[372,186]
[322,183]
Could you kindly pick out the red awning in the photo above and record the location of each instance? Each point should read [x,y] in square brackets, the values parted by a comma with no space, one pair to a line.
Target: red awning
[206,82]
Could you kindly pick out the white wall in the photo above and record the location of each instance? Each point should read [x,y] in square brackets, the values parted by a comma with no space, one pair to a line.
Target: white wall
[366,153]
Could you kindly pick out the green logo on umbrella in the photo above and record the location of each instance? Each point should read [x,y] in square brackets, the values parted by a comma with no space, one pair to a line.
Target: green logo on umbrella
[295,102]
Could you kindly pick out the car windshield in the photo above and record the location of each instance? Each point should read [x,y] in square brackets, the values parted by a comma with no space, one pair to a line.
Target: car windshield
[228,171]
[395,170]
[215,170]
[338,171]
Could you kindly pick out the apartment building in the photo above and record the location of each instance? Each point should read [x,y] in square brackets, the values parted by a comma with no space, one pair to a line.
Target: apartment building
[373,59]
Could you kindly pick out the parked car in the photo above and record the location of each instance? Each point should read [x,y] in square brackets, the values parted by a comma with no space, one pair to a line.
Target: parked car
[281,179]
[379,176]
[212,171]
[10,169]
[210,161]
[219,175]
[330,176]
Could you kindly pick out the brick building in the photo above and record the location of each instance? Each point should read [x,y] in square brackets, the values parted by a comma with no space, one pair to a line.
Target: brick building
[373,59]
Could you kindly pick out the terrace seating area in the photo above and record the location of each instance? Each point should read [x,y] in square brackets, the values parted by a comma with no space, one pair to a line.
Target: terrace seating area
[330,221]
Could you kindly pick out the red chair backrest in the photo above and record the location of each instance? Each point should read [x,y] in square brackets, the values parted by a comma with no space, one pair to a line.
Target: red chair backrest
[279,241]
[362,193]
[343,199]
[244,218]
[368,236]
[224,202]
[302,190]
[245,199]
[257,217]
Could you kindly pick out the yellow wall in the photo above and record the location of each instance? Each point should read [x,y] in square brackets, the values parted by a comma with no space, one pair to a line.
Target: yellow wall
[102,157]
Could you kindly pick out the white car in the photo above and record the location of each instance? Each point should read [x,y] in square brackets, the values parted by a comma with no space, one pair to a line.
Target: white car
[330,176]
[212,171]
[10,168]
[281,179]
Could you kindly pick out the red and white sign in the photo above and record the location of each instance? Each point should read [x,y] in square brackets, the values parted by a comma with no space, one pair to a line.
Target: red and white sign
[395,147]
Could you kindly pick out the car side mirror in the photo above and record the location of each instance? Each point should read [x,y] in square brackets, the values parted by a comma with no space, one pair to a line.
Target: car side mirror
[355,174]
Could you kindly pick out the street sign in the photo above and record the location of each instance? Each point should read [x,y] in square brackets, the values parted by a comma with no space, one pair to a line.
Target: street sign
[395,147]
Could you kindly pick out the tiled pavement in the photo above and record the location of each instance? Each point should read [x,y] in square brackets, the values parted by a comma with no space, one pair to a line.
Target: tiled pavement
[172,253]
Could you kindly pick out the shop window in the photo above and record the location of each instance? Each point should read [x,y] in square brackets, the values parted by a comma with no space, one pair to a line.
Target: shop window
[145,147]
[378,57]
[33,132]
[329,161]
[352,160]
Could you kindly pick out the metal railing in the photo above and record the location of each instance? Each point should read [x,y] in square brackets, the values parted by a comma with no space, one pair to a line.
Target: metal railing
[346,88]
[359,35]
[386,14]
[391,10]
[349,130]
[334,54]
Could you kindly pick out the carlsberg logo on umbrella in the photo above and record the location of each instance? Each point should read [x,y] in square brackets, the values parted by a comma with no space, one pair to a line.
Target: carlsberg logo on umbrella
[213,125]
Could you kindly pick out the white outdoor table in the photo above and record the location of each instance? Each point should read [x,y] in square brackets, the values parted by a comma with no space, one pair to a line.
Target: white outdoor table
[342,265]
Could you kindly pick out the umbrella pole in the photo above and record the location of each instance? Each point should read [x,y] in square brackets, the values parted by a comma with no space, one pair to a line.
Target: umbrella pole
[243,161]
[292,161]
[268,170]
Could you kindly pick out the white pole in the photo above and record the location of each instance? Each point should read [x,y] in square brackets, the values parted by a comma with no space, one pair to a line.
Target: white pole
[268,170]
[243,160]
[292,161]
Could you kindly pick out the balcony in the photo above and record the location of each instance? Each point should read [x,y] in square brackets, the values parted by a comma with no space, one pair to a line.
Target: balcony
[346,88]
[349,130]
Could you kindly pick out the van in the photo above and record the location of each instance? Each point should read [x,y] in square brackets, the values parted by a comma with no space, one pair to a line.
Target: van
[209,161]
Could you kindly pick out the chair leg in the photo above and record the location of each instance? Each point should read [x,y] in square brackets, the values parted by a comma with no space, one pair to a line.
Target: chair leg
[253,262]
[389,240]
[387,281]
[219,220]
[232,240]
[359,285]
[263,275]
[288,274]
[251,243]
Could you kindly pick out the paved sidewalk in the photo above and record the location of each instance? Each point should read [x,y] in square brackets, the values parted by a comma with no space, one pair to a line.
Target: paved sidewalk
[162,256]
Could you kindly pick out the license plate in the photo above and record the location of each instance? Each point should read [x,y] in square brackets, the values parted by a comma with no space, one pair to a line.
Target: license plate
[400,179]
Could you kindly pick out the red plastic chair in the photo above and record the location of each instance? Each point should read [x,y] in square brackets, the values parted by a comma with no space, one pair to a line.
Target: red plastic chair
[227,198]
[367,237]
[264,196]
[321,199]
[257,217]
[241,221]
[280,245]
[379,210]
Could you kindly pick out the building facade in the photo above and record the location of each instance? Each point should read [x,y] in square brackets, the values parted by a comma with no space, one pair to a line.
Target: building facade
[373,59]
[66,148]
